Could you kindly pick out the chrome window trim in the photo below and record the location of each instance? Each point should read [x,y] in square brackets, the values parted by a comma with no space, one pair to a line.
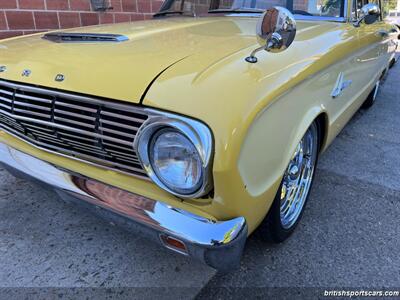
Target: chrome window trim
[296,16]
[320,18]
[197,132]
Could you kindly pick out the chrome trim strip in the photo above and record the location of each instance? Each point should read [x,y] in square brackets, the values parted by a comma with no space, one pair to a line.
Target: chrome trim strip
[80,116]
[73,122]
[71,37]
[30,98]
[5,99]
[217,243]
[107,122]
[120,133]
[33,113]
[107,113]
[319,18]
[296,16]
[91,110]
[47,109]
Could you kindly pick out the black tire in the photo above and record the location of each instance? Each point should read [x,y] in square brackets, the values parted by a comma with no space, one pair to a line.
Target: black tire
[272,229]
[392,63]
[370,101]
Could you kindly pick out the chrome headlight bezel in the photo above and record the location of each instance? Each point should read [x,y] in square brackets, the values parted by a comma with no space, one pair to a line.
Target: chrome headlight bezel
[196,132]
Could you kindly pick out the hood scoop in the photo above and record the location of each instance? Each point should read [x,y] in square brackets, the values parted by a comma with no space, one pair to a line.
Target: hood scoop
[66,37]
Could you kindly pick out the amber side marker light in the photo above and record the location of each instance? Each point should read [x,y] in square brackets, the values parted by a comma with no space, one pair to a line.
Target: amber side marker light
[174,244]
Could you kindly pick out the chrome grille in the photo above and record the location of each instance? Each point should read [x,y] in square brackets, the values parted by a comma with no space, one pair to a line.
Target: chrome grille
[86,128]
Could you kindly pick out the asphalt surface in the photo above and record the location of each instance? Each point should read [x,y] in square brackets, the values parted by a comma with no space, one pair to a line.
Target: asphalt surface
[349,235]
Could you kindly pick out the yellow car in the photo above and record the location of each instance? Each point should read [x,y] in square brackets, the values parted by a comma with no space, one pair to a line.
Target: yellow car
[198,126]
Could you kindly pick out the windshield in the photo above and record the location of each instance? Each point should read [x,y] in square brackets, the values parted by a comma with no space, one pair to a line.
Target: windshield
[322,8]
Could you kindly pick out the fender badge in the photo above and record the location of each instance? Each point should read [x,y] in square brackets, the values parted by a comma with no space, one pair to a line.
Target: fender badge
[26,73]
[3,69]
[340,85]
[59,77]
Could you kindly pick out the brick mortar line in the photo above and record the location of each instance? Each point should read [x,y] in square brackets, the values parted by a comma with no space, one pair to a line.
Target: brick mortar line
[5,17]
[58,20]
[80,19]
[34,19]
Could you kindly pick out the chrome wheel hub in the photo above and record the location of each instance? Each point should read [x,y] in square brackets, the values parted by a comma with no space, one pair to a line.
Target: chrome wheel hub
[297,179]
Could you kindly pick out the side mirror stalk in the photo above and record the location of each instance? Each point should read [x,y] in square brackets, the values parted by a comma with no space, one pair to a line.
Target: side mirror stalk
[275,42]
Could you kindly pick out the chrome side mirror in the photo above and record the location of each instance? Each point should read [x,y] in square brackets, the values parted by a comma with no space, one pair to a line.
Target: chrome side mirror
[369,13]
[276,30]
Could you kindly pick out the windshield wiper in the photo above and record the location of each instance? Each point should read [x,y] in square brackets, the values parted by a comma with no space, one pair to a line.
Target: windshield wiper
[175,12]
[236,11]
[168,12]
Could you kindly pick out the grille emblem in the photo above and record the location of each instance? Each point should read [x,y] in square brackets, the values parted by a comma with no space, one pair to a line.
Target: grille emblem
[26,73]
[59,77]
[3,69]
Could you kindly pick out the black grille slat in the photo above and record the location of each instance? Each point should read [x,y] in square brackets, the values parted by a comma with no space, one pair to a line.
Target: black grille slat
[95,130]
[31,98]
[6,91]
[112,125]
[6,99]
[31,113]
[128,136]
[7,107]
[77,107]
[41,128]
[34,107]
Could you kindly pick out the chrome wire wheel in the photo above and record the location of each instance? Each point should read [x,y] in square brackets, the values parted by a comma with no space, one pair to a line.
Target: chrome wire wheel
[298,178]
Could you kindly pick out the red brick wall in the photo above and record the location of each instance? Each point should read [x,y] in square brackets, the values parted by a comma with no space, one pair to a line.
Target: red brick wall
[29,16]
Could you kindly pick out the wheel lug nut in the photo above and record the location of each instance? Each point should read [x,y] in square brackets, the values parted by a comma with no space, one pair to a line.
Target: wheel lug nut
[293,171]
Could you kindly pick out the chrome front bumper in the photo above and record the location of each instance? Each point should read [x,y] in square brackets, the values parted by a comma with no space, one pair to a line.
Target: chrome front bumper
[217,244]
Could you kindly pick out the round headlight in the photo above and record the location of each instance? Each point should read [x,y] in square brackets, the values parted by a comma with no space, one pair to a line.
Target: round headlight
[176,161]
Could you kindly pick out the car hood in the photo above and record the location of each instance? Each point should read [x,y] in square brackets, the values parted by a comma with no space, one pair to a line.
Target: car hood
[125,70]
[122,70]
